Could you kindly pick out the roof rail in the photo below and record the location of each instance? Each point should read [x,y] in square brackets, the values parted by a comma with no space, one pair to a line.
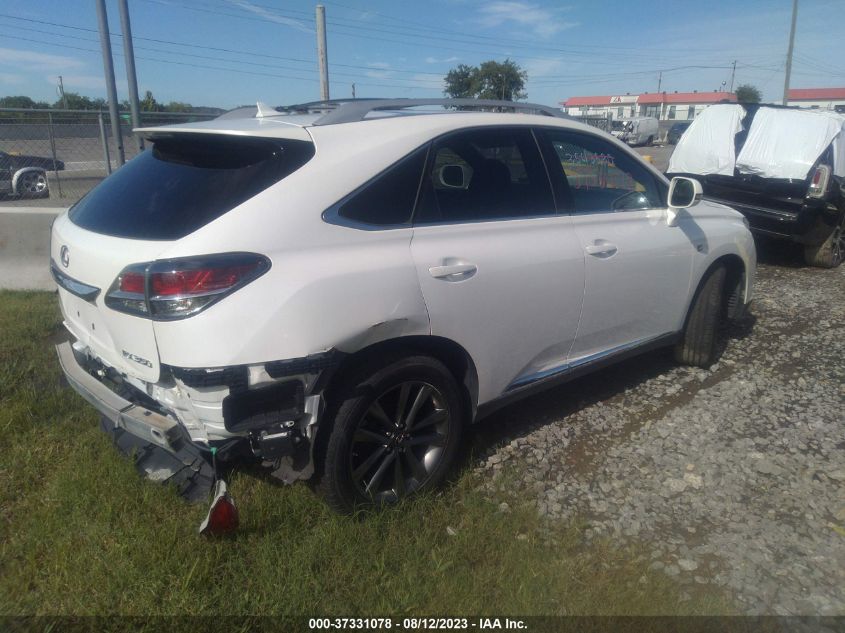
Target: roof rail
[348,111]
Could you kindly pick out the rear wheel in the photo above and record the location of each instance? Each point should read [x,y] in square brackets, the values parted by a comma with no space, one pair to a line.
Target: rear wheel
[831,252]
[33,184]
[395,432]
[698,341]
[650,141]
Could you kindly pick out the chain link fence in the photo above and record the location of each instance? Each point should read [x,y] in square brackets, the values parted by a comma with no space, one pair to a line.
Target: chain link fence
[54,157]
[601,121]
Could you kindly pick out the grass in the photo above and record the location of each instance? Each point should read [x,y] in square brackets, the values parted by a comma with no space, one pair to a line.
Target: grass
[82,534]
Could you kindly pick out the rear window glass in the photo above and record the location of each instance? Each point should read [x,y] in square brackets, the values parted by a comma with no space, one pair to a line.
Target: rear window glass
[185,182]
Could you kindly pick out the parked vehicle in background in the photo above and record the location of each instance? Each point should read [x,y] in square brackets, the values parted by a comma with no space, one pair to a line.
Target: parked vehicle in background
[783,168]
[675,132]
[26,175]
[636,130]
[342,291]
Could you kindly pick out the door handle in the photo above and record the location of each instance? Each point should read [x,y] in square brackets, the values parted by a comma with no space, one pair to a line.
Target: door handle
[453,272]
[601,249]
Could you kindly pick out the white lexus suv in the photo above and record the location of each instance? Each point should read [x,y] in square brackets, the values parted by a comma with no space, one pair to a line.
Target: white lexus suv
[339,289]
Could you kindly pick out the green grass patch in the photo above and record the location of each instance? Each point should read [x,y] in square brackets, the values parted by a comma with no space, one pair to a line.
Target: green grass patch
[82,534]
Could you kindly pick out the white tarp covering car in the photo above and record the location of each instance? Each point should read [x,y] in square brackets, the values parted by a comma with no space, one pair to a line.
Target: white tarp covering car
[781,143]
[707,147]
[786,143]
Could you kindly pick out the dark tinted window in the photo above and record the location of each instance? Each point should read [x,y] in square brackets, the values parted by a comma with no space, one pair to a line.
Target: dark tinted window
[503,177]
[389,198]
[185,182]
[594,175]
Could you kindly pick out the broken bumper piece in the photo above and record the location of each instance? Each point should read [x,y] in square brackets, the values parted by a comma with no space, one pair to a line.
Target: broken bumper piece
[138,421]
[161,449]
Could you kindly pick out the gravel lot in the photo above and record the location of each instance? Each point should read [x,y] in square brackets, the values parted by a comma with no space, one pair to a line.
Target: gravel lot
[732,476]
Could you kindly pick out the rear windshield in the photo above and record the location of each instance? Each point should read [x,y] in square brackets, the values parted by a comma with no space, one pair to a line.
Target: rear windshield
[184,182]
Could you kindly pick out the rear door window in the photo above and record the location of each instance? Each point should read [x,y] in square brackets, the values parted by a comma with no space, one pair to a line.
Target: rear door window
[184,182]
[485,174]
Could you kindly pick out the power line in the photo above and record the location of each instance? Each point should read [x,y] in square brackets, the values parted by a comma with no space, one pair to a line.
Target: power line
[356,27]
[199,46]
[218,68]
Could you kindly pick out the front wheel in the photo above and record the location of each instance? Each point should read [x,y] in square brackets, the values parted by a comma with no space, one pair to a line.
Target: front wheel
[700,336]
[395,432]
[831,252]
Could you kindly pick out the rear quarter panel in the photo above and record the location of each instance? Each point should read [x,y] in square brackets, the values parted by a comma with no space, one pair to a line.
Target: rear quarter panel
[328,287]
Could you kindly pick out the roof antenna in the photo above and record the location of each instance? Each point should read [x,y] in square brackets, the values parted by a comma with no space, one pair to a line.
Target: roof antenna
[264,111]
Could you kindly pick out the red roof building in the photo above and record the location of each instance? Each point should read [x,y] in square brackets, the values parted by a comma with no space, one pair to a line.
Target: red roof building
[822,98]
[687,98]
[661,105]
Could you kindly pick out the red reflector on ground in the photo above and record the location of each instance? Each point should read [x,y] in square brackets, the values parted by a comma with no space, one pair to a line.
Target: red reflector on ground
[223,515]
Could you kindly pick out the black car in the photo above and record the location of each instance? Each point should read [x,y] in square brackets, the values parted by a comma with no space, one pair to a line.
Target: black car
[676,131]
[26,175]
[809,211]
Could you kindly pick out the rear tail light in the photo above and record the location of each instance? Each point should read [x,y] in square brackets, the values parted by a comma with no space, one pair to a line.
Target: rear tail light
[178,288]
[818,185]
[222,515]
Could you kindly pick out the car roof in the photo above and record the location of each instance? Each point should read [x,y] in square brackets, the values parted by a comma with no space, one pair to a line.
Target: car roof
[297,126]
[289,121]
[398,129]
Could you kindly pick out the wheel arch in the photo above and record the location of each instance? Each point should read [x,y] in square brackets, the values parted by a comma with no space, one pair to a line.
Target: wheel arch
[734,291]
[24,170]
[456,359]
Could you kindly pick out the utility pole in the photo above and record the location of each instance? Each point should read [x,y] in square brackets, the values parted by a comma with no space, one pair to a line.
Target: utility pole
[789,52]
[62,93]
[322,55]
[733,72]
[108,69]
[131,78]
[659,81]
[353,90]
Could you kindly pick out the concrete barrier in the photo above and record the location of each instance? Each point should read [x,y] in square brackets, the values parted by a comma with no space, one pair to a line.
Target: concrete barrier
[25,248]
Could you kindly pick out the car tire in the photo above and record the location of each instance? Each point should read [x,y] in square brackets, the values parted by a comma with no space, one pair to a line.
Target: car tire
[33,184]
[701,332]
[831,252]
[650,141]
[373,456]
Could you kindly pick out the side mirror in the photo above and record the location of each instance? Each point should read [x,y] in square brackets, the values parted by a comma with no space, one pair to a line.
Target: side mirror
[683,193]
[453,177]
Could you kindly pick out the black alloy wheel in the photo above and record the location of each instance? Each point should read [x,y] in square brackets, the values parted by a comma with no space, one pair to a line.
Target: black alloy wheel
[399,441]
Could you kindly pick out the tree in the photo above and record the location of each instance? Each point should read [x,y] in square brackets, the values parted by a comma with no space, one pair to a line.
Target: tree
[21,102]
[149,103]
[178,106]
[461,82]
[76,101]
[491,80]
[746,93]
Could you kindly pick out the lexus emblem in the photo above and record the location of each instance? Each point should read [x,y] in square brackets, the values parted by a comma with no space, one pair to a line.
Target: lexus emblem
[64,254]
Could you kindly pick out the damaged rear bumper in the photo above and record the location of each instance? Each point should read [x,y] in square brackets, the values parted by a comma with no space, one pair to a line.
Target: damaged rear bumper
[135,420]
[275,422]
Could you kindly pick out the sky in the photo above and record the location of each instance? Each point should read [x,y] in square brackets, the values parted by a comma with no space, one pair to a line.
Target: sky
[226,53]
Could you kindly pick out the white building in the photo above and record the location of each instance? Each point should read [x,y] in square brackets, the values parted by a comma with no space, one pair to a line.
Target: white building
[820,98]
[619,106]
[665,106]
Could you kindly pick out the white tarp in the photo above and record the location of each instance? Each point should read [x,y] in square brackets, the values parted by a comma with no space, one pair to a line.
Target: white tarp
[787,143]
[707,147]
[839,152]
